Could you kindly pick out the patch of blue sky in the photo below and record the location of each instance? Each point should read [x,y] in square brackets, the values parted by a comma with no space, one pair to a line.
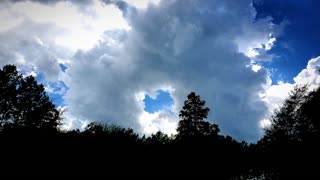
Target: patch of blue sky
[299,42]
[63,67]
[56,92]
[162,101]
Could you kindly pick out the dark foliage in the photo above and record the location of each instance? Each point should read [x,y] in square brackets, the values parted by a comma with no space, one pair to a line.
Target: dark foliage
[291,144]
[24,103]
[32,144]
[192,119]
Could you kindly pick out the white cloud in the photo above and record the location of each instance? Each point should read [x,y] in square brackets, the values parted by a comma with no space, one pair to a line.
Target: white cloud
[158,121]
[256,67]
[276,94]
[81,30]
[310,75]
[270,43]
[142,3]
[57,88]
[260,52]
[257,48]
[163,120]
[70,121]
[7,25]
[19,46]
[42,33]
[265,123]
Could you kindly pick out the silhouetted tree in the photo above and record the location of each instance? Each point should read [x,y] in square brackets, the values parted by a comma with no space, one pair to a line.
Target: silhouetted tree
[113,133]
[309,112]
[192,118]
[96,128]
[24,103]
[292,141]
[158,139]
[289,122]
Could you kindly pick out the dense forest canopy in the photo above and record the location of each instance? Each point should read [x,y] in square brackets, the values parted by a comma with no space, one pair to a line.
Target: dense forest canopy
[294,135]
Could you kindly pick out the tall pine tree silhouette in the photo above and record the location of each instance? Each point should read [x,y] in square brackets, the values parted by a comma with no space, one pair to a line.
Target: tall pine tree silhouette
[192,119]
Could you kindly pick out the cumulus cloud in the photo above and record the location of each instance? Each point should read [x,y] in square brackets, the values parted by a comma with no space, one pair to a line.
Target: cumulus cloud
[116,52]
[57,88]
[142,3]
[23,47]
[80,3]
[83,4]
[276,94]
[44,34]
[260,54]
[158,121]
[186,45]
[310,75]
[258,49]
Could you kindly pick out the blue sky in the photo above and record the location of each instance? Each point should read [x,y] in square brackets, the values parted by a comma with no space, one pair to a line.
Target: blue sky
[133,62]
[299,41]
[162,100]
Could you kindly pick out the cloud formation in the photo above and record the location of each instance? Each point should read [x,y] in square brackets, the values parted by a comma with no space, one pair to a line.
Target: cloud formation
[173,45]
[276,94]
[310,75]
[81,3]
[182,46]
[40,35]
[24,46]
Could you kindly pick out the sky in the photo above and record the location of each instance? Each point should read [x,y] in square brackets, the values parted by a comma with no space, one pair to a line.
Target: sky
[133,62]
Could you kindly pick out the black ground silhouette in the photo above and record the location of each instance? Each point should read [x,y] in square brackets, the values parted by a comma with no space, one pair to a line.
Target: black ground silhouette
[31,142]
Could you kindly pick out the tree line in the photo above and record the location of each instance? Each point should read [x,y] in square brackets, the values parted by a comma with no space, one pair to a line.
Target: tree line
[32,143]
